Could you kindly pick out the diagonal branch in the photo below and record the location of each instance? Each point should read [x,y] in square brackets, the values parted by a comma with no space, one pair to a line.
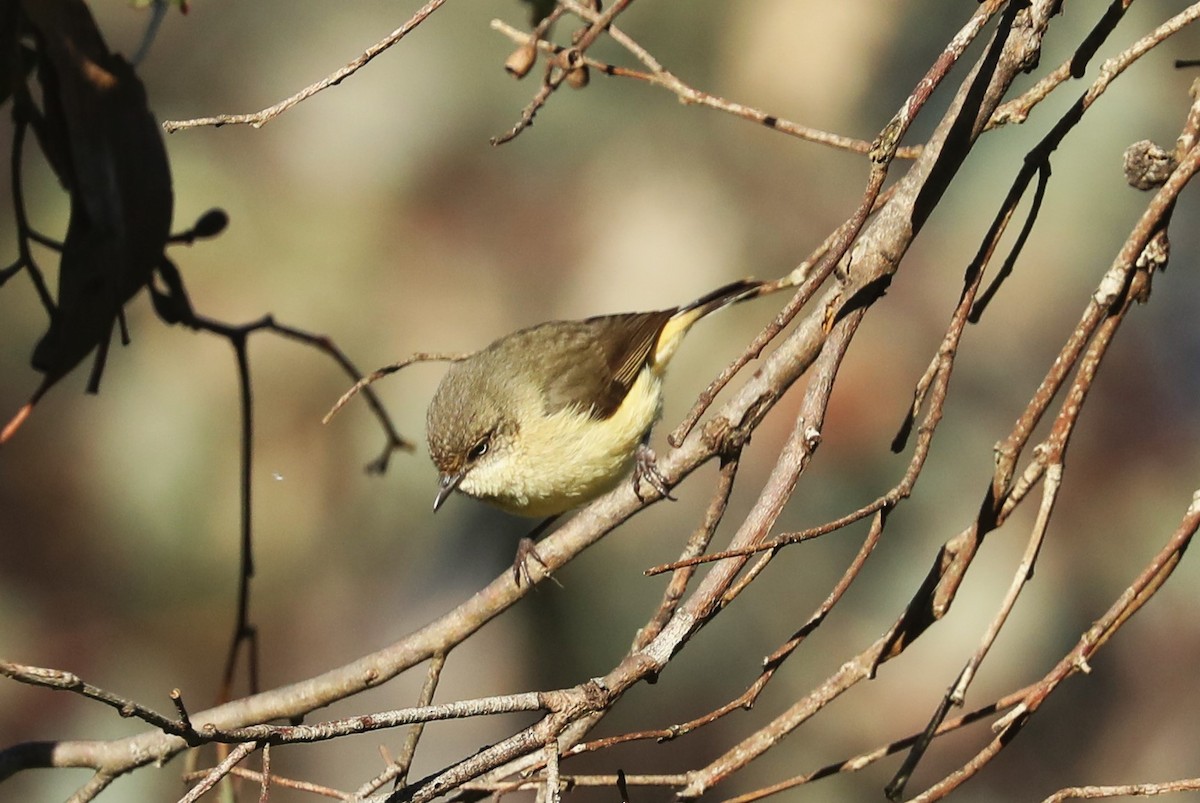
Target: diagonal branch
[260,118]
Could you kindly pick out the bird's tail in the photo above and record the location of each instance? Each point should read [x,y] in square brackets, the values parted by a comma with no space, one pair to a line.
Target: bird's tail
[731,293]
[678,324]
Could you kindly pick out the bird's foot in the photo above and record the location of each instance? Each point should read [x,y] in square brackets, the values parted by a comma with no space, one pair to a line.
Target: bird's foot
[645,470]
[520,569]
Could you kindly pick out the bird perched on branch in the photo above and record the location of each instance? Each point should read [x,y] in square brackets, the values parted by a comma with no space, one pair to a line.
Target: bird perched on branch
[548,418]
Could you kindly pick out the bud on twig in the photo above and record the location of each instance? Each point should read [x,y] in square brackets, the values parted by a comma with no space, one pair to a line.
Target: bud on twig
[571,61]
[521,60]
[578,77]
[1147,165]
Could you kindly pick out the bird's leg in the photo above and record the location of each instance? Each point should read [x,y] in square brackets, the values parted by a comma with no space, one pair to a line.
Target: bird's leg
[527,550]
[645,469]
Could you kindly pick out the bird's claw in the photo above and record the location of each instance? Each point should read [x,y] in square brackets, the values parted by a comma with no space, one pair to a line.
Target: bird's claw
[645,470]
[526,551]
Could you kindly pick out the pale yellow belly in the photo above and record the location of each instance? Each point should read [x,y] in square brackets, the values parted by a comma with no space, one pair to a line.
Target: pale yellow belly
[569,458]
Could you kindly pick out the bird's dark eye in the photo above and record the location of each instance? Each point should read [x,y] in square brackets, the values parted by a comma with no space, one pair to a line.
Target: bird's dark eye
[479,449]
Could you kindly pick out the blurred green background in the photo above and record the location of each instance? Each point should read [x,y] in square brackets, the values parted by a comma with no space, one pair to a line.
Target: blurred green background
[377,213]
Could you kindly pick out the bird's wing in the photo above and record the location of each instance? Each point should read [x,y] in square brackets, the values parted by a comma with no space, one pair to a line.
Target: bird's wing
[602,358]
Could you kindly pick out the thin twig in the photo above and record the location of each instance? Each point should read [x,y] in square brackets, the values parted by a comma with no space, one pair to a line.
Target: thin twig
[264,793]
[695,546]
[25,232]
[218,772]
[555,74]
[260,118]
[276,780]
[184,720]
[379,373]
[660,77]
[552,792]
[570,781]
[59,680]
[394,441]
[332,729]
[775,543]
[1125,790]
[398,770]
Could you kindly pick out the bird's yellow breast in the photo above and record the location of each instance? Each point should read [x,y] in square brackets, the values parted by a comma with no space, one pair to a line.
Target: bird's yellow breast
[568,458]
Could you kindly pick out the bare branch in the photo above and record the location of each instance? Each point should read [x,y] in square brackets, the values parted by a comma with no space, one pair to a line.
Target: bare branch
[260,118]
[660,77]
[218,772]
[379,373]
[1126,790]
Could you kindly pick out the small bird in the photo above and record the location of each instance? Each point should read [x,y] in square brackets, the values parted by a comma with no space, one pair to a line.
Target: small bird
[548,418]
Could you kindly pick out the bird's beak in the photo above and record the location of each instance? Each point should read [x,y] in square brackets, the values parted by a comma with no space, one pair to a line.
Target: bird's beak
[446,485]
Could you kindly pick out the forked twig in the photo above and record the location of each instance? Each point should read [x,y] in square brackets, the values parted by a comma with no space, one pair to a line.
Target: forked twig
[659,76]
